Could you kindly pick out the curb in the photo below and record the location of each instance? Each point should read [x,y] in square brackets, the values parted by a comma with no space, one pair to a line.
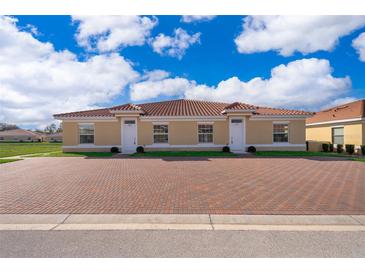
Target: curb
[49,222]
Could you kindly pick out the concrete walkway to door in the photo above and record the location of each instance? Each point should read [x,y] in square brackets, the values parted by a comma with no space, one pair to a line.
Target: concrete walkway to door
[182,186]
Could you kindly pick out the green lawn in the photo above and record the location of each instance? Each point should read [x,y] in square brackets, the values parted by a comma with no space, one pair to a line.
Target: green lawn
[184,154]
[74,154]
[300,154]
[359,159]
[4,161]
[14,149]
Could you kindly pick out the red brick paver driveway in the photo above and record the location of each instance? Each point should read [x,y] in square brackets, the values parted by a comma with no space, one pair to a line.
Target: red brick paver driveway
[189,185]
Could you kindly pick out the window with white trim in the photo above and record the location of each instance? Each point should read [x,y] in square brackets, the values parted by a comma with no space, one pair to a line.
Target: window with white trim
[205,133]
[86,133]
[280,133]
[337,135]
[160,134]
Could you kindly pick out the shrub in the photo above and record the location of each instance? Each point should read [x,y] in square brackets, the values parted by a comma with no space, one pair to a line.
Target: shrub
[339,148]
[114,150]
[363,149]
[226,149]
[140,149]
[350,149]
[251,149]
[331,147]
[325,147]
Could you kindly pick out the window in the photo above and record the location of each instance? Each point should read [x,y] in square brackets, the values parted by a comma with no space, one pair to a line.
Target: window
[280,133]
[129,122]
[86,133]
[160,133]
[337,135]
[236,121]
[205,133]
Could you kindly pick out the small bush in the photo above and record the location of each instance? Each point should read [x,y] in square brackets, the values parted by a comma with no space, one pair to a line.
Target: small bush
[140,149]
[362,149]
[339,148]
[251,149]
[114,150]
[226,149]
[350,149]
[331,147]
[325,147]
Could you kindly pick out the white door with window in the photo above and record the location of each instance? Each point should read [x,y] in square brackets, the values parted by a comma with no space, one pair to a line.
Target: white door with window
[129,136]
[236,134]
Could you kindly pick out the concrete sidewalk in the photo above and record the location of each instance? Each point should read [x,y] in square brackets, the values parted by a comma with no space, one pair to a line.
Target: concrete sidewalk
[181,222]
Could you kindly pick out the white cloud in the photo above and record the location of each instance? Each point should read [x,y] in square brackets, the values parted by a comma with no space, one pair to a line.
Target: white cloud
[339,101]
[157,84]
[174,46]
[37,81]
[196,18]
[108,33]
[288,34]
[359,45]
[306,83]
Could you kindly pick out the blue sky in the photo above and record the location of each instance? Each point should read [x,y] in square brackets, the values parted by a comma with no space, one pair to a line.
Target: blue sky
[315,61]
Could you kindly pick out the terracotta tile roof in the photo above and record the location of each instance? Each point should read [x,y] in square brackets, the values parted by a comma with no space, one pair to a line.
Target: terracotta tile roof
[19,132]
[239,106]
[86,113]
[279,111]
[126,107]
[346,111]
[183,107]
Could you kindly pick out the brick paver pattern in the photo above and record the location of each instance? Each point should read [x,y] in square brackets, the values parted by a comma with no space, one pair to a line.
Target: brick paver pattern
[188,185]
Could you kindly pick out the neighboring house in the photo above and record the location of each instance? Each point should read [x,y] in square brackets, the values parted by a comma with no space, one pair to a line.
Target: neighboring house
[344,124]
[184,125]
[54,137]
[20,135]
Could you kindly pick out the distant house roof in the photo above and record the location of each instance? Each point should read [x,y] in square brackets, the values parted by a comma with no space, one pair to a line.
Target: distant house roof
[19,132]
[351,110]
[182,107]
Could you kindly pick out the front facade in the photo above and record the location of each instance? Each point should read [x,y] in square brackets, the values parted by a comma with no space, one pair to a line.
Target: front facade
[184,125]
[343,124]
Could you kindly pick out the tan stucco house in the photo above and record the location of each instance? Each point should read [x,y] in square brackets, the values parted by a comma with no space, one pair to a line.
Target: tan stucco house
[20,135]
[343,124]
[184,125]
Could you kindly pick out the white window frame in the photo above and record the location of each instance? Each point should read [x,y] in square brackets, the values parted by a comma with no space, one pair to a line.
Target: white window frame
[273,133]
[161,134]
[206,124]
[343,134]
[79,131]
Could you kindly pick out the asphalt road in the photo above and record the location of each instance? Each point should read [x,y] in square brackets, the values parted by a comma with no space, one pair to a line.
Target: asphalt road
[173,243]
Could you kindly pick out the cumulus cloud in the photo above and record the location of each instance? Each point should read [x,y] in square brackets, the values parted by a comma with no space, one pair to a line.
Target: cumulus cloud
[305,84]
[157,84]
[176,45]
[288,34]
[359,45]
[37,81]
[108,33]
[196,18]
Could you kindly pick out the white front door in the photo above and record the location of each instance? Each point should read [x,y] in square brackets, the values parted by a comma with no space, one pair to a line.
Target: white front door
[129,136]
[236,134]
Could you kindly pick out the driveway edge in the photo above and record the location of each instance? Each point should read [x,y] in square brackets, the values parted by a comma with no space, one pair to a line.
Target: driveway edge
[181,222]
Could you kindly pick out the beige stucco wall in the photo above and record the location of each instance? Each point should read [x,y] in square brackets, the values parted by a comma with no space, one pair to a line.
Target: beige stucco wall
[70,133]
[221,132]
[353,133]
[145,134]
[258,132]
[183,133]
[297,132]
[107,133]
